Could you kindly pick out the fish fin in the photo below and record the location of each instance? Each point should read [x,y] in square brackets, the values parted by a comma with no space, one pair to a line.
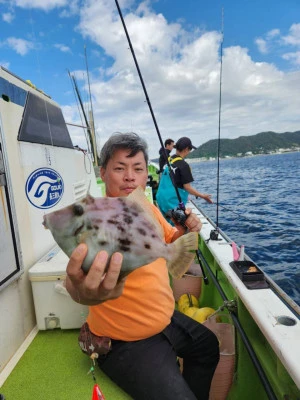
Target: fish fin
[139,197]
[182,257]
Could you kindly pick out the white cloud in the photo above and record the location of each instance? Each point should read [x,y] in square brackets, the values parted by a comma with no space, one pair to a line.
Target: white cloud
[181,74]
[8,17]
[294,36]
[279,43]
[262,45]
[265,43]
[40,4]
[181,70]
[63,48]
[293,57]
[21,46]
[273,33]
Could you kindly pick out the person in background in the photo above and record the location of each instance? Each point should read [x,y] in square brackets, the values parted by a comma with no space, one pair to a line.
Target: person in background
[137,313]
[166,196]
[169,145]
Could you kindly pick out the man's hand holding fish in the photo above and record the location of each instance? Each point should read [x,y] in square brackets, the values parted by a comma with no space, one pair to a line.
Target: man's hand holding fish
[102,283]
[98,284]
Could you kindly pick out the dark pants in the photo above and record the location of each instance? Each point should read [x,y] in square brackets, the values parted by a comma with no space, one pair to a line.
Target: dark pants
[147,369]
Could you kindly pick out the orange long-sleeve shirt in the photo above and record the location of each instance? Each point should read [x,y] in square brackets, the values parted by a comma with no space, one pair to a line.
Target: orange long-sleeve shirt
[146,304]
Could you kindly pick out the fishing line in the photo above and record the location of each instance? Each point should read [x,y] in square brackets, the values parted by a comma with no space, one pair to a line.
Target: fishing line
[220,105]
[181,205]
[214,234]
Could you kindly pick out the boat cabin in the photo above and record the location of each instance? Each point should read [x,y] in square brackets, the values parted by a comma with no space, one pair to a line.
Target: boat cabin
[40,171]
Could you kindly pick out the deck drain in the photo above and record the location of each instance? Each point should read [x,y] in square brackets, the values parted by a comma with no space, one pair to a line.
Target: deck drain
[284,320]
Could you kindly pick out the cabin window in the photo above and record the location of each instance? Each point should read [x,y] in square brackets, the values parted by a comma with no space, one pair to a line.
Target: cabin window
[43,123]
[11,92]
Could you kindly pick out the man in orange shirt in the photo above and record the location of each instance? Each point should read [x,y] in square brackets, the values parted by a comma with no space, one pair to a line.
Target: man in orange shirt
[137,312]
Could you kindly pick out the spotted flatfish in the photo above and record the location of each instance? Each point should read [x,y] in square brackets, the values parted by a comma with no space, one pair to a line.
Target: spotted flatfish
[120,224]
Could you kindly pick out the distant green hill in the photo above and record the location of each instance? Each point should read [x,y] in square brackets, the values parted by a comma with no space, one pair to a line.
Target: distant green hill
[261,143]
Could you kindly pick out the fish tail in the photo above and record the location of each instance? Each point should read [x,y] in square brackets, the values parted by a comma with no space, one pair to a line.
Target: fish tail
[182,258]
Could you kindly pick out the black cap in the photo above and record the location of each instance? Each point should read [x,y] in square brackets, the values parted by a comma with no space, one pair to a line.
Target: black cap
[183,143]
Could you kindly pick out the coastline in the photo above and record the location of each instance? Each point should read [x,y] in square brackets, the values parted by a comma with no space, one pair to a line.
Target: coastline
[246,155]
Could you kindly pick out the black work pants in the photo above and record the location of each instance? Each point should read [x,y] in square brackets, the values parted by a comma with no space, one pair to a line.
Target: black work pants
[148,370]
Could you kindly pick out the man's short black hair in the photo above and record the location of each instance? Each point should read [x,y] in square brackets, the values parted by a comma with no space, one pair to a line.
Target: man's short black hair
[168,141]
[128,141]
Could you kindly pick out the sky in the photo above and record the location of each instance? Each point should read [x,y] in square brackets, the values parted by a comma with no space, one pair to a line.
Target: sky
[178,46]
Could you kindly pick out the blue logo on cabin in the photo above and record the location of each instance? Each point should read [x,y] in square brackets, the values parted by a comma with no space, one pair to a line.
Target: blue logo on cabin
[44,188]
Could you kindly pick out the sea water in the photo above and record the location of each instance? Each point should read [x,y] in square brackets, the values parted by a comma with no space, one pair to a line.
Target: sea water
[259,207]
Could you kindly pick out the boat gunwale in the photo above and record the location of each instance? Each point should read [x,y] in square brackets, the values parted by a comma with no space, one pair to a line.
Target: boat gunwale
[269,302]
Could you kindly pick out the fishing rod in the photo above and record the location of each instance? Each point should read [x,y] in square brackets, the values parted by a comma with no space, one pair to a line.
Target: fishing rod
[214,234]
[181,207]
[178,214]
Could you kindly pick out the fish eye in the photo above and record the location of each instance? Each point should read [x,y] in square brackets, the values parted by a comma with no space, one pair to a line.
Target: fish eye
[78,210]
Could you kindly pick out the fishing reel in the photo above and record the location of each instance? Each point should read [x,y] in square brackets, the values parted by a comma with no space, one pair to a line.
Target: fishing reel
[178,215]
[214,234]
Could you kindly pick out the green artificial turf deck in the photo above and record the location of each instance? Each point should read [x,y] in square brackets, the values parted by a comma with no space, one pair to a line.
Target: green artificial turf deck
[54,368]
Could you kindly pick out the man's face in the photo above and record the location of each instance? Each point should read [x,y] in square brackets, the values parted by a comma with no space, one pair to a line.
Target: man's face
[170,146]
[124,174]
